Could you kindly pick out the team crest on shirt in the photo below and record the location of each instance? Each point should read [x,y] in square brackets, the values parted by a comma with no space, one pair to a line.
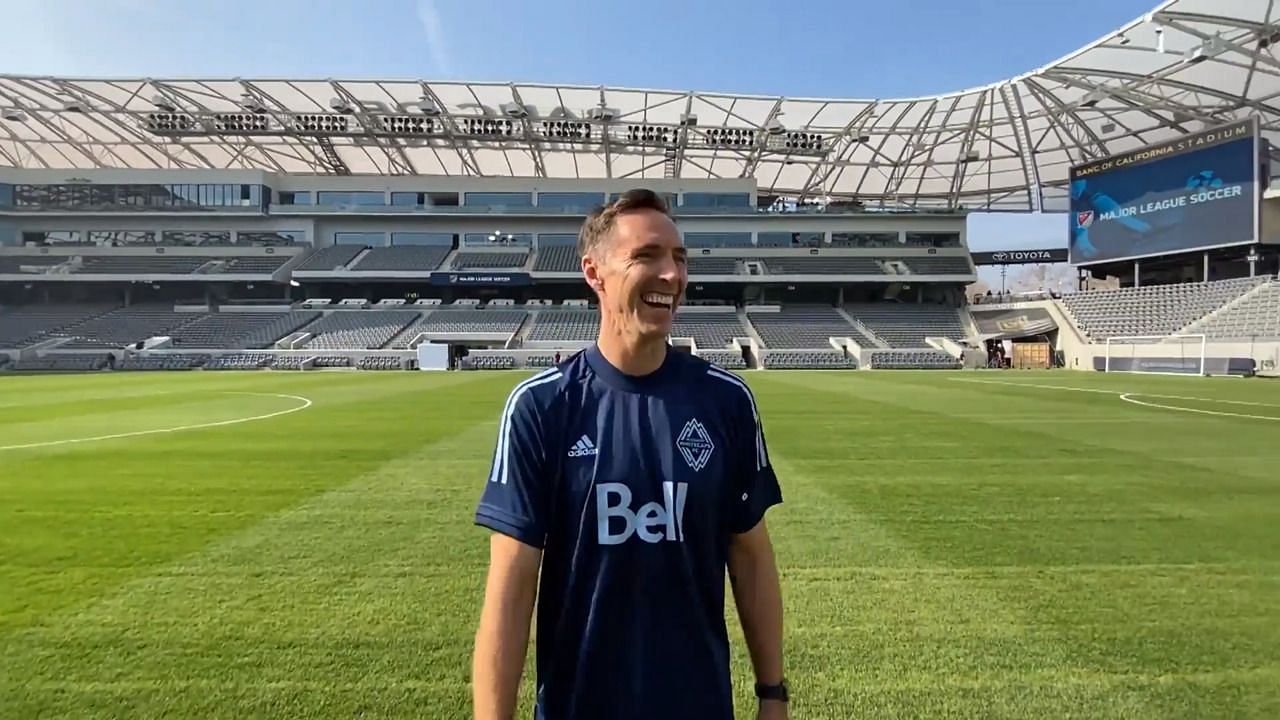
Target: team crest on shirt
[695,444]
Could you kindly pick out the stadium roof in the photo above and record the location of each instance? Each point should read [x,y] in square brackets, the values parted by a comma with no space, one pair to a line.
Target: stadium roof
[1188,65]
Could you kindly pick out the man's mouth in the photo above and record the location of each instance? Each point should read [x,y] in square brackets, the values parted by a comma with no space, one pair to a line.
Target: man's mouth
[658,300]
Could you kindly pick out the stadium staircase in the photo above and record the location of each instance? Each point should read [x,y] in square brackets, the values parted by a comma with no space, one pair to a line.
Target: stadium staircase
[355,261]
[863,332]
[757,344]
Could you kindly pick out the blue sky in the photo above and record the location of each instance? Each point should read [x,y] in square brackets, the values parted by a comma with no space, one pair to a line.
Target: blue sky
[815,48]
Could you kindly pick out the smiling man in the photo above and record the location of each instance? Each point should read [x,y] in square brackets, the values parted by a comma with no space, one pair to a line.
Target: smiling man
[624,481]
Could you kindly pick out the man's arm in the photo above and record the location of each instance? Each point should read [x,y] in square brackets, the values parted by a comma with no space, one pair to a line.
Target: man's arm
[503,637]
[757,592]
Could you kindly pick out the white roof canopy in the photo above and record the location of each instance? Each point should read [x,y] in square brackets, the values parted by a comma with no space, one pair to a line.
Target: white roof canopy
[1188,65]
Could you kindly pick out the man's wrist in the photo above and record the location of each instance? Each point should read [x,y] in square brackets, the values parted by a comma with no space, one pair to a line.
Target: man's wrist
[773,691]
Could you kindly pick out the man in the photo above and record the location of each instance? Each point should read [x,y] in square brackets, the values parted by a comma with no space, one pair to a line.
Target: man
[630,475]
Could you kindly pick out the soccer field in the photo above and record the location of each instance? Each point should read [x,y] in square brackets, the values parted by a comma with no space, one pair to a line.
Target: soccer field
[998,544]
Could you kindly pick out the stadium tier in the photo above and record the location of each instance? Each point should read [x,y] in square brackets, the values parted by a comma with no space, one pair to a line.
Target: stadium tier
[1255,314]
[357,329]
[402,258]
[902,325]
[1155,310]
[807,327]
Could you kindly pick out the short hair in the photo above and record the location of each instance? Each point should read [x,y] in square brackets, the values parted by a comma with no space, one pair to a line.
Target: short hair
[600,221]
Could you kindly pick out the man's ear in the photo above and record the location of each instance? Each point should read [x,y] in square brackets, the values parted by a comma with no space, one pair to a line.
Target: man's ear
[591,271]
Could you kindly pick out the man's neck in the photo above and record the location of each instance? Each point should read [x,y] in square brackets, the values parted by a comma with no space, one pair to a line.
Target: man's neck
[632,356]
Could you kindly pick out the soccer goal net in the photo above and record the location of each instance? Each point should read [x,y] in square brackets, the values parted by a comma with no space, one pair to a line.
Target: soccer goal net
[1158,354]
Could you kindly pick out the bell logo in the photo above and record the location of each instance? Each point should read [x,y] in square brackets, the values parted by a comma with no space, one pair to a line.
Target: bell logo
[653,522]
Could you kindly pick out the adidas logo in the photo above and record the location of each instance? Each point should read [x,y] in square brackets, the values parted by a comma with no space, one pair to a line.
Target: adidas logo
[583,448]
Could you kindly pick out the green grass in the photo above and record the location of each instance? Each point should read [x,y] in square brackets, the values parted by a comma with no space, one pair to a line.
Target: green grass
[948,549]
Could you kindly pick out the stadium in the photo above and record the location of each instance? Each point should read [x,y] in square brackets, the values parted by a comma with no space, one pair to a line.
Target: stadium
[1065,504]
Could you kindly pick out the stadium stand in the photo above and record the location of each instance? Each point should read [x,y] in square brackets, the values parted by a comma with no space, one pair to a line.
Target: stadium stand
[708,329]
[937,265]
[142,264]
[474,321]
[358,329]
[331,361]
[289,362]
[822,265]
[403,258]
[380,362]
[712,265]
[77,362]
[240,361]
[569,325]
[801,327]
[255,264]
[807,360]
[1151,310]
[540,360]
[912,360]
[333,257]
[903,325]
[1256,315]
[557,258]
[489,260]
[491,362]
[124,326]
[31,324]
[24,264]
[169,361]
[727,359]
[235,330]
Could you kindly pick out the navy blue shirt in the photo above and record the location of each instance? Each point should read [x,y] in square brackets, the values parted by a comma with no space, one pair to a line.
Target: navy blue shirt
[632,486]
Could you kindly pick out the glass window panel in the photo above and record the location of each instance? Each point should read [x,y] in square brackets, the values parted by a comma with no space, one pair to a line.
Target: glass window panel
[723,239]
[416,238]
[371,239]
[272,238]
[116,238]
[195,237]
[934,240]
[570,200]
[52,237]
[866,239]
[6,195]
[522,239]
[553,239]
[410,199]
[789,239]
[336,197]
[500,199]
[717,200]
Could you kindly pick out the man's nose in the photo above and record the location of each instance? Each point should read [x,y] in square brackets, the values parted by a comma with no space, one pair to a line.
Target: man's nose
[671,271]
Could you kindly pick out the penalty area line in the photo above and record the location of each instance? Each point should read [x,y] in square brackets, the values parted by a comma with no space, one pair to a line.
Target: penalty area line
[306,403]
[1128,397]
[1116,392]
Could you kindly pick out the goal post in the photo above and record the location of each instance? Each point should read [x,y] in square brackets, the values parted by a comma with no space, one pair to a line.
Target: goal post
[1178,354]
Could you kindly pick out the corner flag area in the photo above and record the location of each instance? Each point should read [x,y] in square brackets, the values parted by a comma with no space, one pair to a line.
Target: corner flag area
[953,544]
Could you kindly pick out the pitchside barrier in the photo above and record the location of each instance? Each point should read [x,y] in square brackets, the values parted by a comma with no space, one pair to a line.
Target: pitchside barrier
[1168,355]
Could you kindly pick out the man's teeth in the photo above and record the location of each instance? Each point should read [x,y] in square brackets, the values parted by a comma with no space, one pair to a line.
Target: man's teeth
[659,299]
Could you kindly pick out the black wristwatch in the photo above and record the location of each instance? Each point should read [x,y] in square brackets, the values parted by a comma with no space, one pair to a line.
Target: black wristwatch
[773,692]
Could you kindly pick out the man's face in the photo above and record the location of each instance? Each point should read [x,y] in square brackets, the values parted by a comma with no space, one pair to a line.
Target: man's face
[640,274]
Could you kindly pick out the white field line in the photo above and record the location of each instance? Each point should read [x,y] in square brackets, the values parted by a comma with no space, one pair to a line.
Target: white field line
[1117,392]
[1127,398]
[306,403]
